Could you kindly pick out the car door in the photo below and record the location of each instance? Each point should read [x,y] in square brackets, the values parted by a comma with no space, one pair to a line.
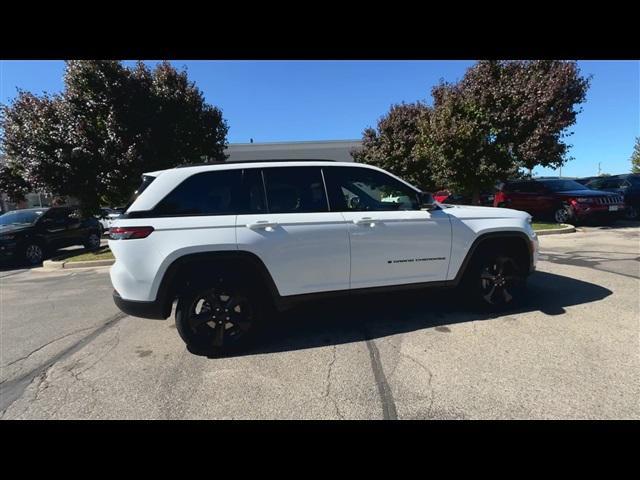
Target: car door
[54,227]
[289,227]
[542,200]
[76,232]
[392,241]
[523,197]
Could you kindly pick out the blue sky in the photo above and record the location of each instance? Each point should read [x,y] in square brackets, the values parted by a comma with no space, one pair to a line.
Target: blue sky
[331,100]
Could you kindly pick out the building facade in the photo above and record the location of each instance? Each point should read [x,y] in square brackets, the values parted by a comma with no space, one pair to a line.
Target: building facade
[336,150]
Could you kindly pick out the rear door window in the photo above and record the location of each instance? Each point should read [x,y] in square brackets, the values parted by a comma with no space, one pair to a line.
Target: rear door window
[295,190]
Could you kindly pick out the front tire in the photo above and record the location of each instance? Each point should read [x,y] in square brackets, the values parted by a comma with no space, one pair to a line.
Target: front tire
[495,281]
[218,320]
[563,214]
[33,254]
[632,213]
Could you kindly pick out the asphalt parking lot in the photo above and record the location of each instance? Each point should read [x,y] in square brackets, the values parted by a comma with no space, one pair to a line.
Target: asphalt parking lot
[571,352]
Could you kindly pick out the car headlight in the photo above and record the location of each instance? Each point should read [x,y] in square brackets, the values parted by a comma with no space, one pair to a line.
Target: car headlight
[7,238]
[583,200]
[529,219]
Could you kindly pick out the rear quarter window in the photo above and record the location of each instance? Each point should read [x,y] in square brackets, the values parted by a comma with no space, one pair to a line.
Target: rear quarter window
[206,193]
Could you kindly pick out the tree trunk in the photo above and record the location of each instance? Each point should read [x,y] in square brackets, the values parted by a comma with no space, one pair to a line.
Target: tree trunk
[475,197]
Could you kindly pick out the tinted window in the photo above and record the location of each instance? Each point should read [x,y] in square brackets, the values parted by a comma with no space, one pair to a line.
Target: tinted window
[563,185]
[58,214]
[595,184]
[146,181]
[365,189]
[524,187]
[295,190]
[207,193]
[254,191]
[614,182]
[20,217]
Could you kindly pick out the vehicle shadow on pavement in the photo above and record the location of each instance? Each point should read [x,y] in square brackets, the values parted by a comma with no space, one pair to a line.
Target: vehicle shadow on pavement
[366,317]
[7,269]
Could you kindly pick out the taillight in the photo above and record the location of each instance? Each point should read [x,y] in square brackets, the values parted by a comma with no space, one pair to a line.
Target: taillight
[128,233]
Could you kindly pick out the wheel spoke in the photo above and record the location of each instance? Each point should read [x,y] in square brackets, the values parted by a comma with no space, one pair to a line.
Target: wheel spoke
[232,303]
[218,338]
[200,318]
[240,322]
[506,295]
[487,276]
[489,295]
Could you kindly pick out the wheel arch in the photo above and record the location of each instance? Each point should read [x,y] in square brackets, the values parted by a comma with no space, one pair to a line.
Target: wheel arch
[197,268]
[516,241]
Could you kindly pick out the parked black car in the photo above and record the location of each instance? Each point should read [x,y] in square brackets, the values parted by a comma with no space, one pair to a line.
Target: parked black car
[29,235]
[627,185]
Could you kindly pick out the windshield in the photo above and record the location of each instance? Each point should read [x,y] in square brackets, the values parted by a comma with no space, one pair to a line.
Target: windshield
[20,217]
[564,185]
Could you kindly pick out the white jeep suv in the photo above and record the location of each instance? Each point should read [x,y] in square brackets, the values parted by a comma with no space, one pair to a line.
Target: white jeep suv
[229,241]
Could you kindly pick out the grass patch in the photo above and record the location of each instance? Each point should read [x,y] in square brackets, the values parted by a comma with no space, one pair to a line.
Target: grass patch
[101,254]
[547,225]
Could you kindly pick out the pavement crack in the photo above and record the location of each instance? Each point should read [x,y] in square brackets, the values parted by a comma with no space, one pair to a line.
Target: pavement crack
[426,369]
[46,345]
[12,390]
[327,391]
[389,411]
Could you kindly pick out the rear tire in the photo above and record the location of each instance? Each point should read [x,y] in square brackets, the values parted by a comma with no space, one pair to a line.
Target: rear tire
[495,280]
[220,319]
[92,242]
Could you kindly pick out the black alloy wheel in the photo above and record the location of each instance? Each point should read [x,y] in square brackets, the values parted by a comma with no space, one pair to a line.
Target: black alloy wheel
[217,320]
[500,281]
[33,254]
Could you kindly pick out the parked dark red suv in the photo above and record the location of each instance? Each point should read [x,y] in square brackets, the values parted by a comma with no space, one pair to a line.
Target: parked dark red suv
[560,199]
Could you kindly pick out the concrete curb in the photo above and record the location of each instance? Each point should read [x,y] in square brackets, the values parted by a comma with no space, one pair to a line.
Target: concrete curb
[555,231]
[66,264]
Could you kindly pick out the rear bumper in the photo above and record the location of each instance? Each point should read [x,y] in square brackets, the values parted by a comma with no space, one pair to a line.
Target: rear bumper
[155,310]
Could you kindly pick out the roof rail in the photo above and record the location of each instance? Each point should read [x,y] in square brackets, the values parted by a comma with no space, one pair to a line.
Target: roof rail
[256,161]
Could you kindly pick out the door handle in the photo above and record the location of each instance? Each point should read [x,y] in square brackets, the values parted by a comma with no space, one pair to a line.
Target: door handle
[267,225]
[365,221]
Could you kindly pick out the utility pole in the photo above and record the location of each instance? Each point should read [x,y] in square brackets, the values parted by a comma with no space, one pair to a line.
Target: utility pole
[598,168]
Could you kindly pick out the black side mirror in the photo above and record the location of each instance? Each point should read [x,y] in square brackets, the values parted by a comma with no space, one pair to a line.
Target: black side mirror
[427,202]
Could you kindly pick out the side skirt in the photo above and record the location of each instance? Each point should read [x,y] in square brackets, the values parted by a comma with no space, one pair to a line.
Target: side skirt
[288,302]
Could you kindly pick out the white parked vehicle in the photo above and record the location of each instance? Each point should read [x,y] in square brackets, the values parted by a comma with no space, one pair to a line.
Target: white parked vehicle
[230,241]
[107,216]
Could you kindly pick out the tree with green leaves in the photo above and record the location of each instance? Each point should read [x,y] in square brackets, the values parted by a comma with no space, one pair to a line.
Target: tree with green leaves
[635,157]
[109,125]
[463,147]
[500,118]
[530,106]
[392,145]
